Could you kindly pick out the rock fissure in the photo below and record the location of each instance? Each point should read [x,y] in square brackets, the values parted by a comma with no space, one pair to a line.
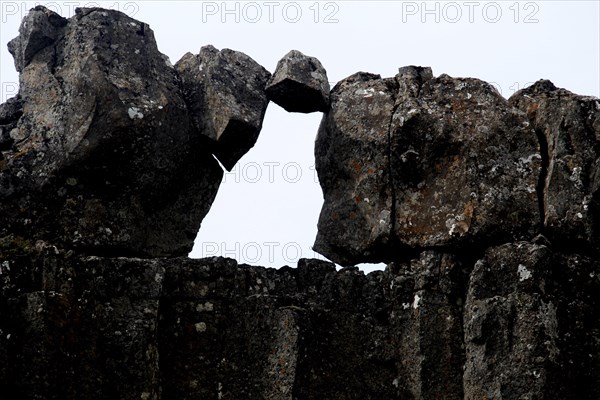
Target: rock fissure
[545,172]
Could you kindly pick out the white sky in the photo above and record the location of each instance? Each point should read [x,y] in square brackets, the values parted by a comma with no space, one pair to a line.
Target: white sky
[266,211]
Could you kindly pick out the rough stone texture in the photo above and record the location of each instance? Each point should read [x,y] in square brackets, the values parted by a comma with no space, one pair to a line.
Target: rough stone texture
[419,162]
[569,128]
[99,151]
[465,165]
[76,327]
[299,84]
[352,160]
[225,90]
[526,311]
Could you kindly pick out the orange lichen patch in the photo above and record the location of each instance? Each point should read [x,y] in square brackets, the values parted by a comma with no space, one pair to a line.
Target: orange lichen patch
[458,105]
[532,108]
[355,165]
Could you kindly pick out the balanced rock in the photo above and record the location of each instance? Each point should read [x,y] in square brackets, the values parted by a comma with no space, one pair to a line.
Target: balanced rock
[225,90]
[299,84]
[102,154]
[569,128]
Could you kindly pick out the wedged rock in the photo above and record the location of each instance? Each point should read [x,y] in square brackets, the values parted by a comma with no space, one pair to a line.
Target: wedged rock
[299,84]
[352,161]
[569,126]
[225,92]
[104,157]
[465,165]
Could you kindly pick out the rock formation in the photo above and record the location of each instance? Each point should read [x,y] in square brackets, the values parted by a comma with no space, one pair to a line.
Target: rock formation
[485,211]
[108,138]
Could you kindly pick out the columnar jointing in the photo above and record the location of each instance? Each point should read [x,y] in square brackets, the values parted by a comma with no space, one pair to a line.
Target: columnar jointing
[107,168]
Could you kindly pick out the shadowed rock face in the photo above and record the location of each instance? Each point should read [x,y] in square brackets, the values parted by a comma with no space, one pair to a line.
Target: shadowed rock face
[107,153]
[496,325]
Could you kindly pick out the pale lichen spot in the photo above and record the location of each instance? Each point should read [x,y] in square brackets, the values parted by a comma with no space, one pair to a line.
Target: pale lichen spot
[200,327]
[416,301]
[523,272]
[134,113]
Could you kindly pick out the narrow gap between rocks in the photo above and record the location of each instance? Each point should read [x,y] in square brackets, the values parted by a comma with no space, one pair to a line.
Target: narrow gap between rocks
[267,207]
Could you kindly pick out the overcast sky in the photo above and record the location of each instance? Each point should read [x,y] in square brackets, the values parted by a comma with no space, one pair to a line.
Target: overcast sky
[267,209]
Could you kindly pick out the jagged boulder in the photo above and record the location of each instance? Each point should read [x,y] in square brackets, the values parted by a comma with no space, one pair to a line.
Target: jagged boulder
[352,160]
[102,154]
[299,84]
[225,90]
[569,127]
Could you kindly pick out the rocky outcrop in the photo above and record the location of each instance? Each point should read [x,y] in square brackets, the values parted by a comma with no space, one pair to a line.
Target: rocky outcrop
[103,151]
[484,210]
[299,84]
[352,160]
[226,95]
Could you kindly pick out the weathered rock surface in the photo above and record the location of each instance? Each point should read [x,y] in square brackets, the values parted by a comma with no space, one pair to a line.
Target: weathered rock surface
[522,322]
[352,160]
[226,93]
[418,162]
[299,84]
[569,128]
[465,165]
[99,150]
[105,328]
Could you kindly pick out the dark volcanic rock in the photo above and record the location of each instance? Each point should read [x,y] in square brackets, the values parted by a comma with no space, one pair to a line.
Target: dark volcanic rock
[530,325]
[417,162]
[10,112]
[511,327]
[104,156]
[352,160]
[107,152]
[569,127]
[225,92]
[210,328]
[299,84]
[465,166]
